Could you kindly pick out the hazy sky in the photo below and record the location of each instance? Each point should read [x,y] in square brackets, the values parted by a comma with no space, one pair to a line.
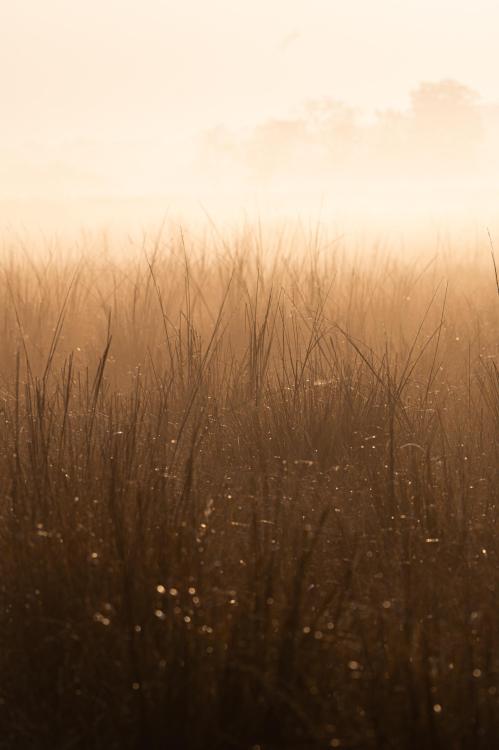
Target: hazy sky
[139,77]
[134,69]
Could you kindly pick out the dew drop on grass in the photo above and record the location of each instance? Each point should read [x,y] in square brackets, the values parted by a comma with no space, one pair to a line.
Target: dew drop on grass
[101,619]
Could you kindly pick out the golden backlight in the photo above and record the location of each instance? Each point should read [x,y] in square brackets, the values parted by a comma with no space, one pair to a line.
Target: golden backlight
[117,112]
[249,384]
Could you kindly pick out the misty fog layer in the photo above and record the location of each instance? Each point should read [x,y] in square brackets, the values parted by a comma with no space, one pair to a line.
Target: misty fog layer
[435,160]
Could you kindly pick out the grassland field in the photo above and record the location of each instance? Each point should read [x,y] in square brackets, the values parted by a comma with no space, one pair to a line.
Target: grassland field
[249,496]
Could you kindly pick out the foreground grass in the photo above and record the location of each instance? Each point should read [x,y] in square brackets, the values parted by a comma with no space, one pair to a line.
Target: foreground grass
[248,501]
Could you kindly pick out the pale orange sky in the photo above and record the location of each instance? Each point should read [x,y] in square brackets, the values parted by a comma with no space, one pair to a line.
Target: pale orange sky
[141,77]
[135,68]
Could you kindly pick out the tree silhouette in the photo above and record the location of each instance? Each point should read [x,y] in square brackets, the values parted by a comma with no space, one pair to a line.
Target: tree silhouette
[446,127]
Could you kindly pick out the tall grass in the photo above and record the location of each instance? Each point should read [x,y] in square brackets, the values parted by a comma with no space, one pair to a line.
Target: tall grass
[248,499]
